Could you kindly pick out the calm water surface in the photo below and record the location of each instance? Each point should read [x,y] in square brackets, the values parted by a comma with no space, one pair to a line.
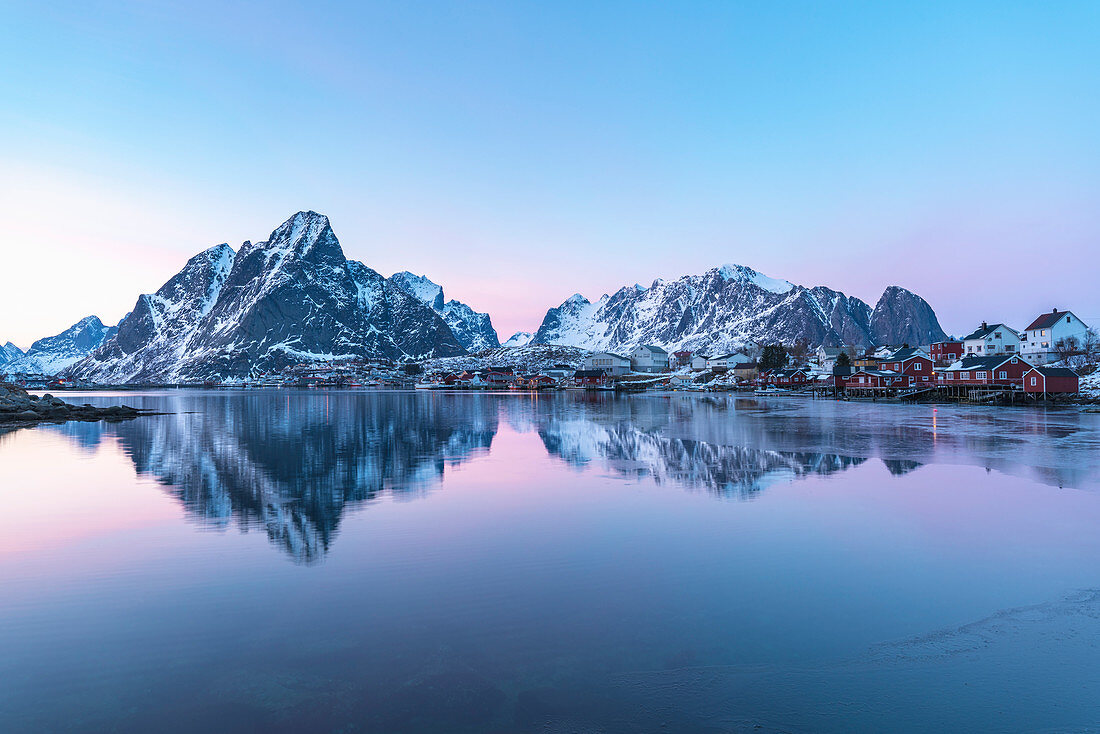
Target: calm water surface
[397,562]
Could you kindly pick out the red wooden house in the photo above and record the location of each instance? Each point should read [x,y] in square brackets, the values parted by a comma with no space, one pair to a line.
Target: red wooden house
[947,351]
[875,379]
[913,364]
[1003,370]
[789,377]
[1051,381]
[589,378]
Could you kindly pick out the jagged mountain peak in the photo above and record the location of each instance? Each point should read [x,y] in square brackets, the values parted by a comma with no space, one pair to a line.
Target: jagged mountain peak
[472,329]
[306,234]
[745,274]
[903,317]
[728,307]
[420,287]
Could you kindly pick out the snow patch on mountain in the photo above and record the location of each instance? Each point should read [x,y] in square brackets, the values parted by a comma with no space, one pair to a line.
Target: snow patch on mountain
[748,275]
[519,339]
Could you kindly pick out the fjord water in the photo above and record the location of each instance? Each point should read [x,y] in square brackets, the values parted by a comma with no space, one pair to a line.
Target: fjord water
[292,560]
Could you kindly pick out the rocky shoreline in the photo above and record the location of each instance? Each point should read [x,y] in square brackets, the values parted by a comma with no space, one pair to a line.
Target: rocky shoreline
[19,408]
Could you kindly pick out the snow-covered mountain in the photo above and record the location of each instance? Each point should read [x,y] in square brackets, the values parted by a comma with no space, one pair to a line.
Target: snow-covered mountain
[9,353]
[472,329]
[53,354]
[293,297]
[733,306]
[519,339]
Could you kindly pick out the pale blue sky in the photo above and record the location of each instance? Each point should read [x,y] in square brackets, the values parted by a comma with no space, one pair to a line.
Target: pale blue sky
[518,152]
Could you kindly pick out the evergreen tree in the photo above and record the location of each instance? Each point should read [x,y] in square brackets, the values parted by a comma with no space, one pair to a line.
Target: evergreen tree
[773,357]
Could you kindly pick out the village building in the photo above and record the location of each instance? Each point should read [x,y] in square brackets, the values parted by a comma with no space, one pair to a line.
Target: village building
[866,360]
[1000,370]
[1051,381]
[612,364]
[874,381]
[914,364]
[682,358]
[590,378]
[989,340]
[745,370]
[788,377]
[884,351]
[559,371]
[681,380]
[699,362]
[726,361]
[1043,335]
[947,351]
[826,357]
[649,358]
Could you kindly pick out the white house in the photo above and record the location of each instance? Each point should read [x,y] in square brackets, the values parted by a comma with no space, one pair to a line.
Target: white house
[1042,334]
[992,339]
[727,361]
[612,364]
[698,362]
[826,357]
[649,358]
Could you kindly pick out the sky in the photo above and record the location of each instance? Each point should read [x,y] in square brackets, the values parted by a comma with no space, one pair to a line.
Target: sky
[518,152]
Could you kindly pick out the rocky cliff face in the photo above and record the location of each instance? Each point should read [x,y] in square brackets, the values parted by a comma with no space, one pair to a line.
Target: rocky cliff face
[721,310]
[901,317]
[53,354]
[292,298]
[472,329]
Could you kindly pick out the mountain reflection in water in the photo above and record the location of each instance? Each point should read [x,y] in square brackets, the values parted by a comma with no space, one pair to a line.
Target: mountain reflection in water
[292,462]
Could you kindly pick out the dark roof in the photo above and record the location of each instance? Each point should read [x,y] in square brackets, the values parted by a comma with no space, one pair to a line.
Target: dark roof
[652,348]
[982,331]
[1054,371]
[589,373]
[839,371]
[745,366]
[1047,320]
[502,370]
[903,354]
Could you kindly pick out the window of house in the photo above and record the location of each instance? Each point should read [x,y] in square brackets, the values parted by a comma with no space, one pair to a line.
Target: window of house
[1002,374]
[997,335]
[964,375]
[1034,381]
[979,375]
[1010,348]
[918,367]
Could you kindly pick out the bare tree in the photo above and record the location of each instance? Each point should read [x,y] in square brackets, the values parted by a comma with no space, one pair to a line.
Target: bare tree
[1090,349]
[1066,349]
